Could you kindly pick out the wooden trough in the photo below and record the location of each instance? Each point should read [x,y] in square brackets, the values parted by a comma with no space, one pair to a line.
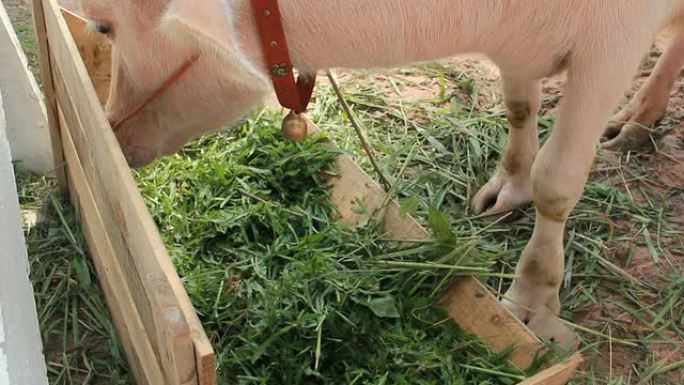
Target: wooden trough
[159,329]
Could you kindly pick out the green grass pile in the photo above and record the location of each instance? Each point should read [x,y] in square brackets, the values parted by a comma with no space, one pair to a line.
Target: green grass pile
[287,294]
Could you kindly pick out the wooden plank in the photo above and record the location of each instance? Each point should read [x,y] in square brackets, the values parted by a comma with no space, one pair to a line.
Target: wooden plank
[151,292]
[169,309]
[48,89]
[96,51]
[141,359]
[478,311]
[357,196]
[558,374]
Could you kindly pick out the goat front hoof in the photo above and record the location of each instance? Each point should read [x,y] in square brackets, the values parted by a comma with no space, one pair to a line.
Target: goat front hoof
[502,194]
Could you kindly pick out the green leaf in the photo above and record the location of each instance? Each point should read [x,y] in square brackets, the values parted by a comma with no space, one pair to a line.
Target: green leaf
[651,247]
[409,206]
[440,225]
[384,307]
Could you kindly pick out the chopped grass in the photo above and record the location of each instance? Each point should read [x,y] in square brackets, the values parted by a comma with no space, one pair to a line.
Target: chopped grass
[289,295]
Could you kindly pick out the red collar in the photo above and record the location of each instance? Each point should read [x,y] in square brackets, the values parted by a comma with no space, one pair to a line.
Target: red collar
[292,94]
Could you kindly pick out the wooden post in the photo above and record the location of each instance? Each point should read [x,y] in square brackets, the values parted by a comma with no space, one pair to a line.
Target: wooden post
[49,91]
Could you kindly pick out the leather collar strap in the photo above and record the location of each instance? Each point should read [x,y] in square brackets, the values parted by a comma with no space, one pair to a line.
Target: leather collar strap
[292,94]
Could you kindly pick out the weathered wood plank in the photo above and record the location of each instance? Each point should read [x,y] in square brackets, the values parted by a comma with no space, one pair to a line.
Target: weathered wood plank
[158,300]
[477,310]
[558,374]
[140,356]
[95,51]
[158,309]
[357,196]
[48,88]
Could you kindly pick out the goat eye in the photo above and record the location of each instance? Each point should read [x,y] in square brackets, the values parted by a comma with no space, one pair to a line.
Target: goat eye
[103,28]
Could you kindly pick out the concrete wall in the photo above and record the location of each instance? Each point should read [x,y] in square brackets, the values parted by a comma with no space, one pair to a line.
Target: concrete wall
[27,128]
[21,357]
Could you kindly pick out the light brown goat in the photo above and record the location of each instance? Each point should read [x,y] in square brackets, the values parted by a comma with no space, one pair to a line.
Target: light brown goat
[598,42]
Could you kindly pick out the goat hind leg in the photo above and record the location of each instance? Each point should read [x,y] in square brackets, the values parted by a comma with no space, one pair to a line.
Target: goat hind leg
[631,127]
[511,186]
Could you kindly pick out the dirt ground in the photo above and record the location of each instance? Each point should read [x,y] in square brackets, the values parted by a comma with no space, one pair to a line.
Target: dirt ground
[666,168]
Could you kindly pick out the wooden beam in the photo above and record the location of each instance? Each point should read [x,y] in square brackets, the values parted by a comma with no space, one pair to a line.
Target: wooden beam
[139,354]
[357,196]
[49,91]
[160,312]
[476,309]
[96,54]
[167,333]
[172,326]
[558,374]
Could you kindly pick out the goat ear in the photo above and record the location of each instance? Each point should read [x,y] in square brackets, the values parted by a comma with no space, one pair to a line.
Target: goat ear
[208,27]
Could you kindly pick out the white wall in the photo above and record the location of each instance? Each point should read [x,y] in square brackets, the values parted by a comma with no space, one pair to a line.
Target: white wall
[21,357]
[27,127]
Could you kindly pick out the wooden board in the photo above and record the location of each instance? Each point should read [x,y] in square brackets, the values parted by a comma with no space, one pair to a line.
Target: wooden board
[49,91]
[477,310]
[469,302]
[171,326]
[558,374]
[141,359]
[357,196]
[95,51]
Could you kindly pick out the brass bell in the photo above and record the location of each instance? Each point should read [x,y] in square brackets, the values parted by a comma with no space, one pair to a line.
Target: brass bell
[295,127]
